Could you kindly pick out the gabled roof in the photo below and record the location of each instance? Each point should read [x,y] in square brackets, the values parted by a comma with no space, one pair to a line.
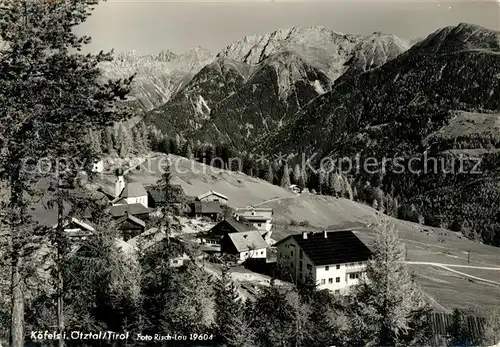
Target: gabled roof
[132,219]
[218,231]
[82,224]
[133,190]
[207,207]
[132,209]
[339,247]
[247,240]
[211,192]
[238,226]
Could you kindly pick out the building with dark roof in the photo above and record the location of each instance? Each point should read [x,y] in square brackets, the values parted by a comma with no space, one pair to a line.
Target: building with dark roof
[137,210]
[333,259]
[211,239]
[209,209]
[130,226]
[234,236]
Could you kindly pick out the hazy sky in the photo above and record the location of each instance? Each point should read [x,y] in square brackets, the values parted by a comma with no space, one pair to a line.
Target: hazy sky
[151,26]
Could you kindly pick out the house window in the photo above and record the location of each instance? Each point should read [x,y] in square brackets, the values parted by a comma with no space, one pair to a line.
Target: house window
[323,281]
[337,279]
[291,265]
[301,265]
[301,254]
[354,276]
[327,268]
[261,252]
[176,261]
[291,253]
[338,267]
[337,291]
[330,280]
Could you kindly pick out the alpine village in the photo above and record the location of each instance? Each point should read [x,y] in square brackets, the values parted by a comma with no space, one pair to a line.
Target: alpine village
[163,200]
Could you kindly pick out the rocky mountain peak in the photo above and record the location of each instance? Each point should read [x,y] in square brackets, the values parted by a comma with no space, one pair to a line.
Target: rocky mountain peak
[166,55]
[462,37]
[254,49]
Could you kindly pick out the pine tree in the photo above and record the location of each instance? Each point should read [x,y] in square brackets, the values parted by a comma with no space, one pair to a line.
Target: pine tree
[188,150]
[458,329]
[229,311]
[269,176]
[323,180]
[178,144]
[378,196]
[387,306]
[279,317]
[297,173]
[125,140]
[285,178]
[348,190]
[492,326]
[355,194]
[336,184]
[94,140]
[108,140]
[303,180]
[328,325]
[53,94]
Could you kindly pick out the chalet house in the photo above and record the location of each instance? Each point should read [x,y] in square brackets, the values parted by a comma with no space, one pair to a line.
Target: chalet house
[137,210]
[214,236]
[334,260]
[212,196]
[209,209]
[77,228]
[246,245]
[130,226]
[259,217]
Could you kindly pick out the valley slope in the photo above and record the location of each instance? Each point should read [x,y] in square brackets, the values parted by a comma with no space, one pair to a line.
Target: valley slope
[440,101]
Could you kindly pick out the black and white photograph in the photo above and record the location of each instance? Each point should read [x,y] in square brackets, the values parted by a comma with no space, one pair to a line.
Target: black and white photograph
[249,173]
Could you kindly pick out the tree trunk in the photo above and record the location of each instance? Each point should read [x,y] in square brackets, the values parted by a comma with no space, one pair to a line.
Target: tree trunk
[17,311]
[59,266]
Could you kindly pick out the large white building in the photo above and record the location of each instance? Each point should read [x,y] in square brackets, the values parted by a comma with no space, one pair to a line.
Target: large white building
[129,193]
[334,260]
